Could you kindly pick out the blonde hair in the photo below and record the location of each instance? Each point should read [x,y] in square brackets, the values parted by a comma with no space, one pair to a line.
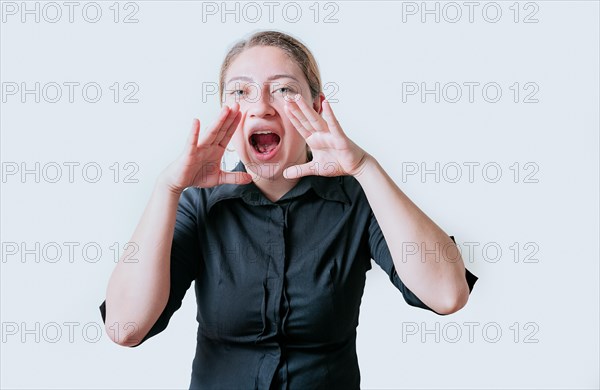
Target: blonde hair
[295,50]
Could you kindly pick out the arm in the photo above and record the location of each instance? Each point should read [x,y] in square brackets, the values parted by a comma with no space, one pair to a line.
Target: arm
[438,279]
[138,292]
[442,284]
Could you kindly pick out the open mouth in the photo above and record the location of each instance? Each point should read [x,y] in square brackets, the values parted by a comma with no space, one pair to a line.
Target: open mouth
[264,142]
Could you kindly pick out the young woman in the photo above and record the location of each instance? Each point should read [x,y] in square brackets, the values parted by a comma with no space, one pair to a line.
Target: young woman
[278,248]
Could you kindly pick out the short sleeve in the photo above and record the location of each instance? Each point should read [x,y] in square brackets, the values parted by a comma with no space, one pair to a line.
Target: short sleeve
[186,261]
[380,253]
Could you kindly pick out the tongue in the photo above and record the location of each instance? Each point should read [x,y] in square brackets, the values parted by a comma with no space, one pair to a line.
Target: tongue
[264,143]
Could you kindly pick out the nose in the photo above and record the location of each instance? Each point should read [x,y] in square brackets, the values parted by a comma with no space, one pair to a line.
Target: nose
[260,106]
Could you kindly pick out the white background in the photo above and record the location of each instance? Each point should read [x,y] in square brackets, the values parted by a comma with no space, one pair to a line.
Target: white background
[547,310]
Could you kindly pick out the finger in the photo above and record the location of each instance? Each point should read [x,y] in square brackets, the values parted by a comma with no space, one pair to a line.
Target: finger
[315,120]
[208,137]
[297,171]
[303,132]
[192,141]
[234,177]
[233,112]
[235,125]
[334,125]
[297,111]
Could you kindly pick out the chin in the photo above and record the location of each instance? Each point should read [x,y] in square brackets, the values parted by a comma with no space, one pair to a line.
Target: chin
[264,170]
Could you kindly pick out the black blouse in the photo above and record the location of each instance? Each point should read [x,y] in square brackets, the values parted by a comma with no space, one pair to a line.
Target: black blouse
[278,284]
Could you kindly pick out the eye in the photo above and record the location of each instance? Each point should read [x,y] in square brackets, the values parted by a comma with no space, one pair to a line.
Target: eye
[285,91]
[237,92]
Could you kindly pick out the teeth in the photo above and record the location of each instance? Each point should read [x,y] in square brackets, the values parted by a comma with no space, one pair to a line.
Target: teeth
[263,132]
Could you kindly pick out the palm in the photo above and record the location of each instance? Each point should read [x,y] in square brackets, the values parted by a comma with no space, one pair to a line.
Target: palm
[200,163]
[202,167]
[334,154]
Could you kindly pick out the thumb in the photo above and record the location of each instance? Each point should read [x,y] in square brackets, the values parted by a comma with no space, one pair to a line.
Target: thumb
[192,142]
[234,178]
[296,171]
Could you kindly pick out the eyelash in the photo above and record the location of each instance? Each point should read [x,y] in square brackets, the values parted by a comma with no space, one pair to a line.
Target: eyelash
[279,89]
[288,88]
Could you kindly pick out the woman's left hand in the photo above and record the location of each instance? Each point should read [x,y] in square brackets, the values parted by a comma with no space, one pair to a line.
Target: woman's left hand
[334,154]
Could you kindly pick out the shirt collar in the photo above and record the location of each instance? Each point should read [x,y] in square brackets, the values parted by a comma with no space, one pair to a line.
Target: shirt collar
[329,188]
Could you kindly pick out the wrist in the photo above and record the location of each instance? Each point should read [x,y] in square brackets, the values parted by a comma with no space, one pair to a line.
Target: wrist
[365,166]
[163,185]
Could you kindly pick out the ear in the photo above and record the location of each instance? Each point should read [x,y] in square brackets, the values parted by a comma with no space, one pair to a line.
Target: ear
[318,103]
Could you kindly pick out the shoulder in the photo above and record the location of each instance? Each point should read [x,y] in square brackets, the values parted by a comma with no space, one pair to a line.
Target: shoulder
[203,199]
[194,198]
[352,188]
[344,189]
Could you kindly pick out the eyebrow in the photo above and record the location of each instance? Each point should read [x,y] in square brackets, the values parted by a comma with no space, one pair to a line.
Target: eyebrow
[270,78]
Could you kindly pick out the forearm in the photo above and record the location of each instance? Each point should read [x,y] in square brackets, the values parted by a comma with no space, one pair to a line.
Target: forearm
[425,257]
[138,289]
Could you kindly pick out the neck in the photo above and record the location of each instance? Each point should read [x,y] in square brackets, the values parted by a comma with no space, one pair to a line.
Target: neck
[273,185]
[274,188]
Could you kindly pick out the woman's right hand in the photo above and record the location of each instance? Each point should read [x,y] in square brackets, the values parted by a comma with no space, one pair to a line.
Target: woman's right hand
[200,163]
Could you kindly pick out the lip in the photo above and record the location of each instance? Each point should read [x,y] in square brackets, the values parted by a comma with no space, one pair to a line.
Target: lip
[272,153]
[257,128]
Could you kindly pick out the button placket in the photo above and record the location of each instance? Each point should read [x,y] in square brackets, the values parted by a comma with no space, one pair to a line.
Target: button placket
[275,248]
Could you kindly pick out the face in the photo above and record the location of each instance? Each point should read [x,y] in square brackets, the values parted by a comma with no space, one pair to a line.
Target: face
[260,79]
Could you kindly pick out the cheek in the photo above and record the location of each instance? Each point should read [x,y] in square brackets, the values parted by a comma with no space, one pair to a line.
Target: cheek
[295,142]
[296,137]
[293,137]
[238,141]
